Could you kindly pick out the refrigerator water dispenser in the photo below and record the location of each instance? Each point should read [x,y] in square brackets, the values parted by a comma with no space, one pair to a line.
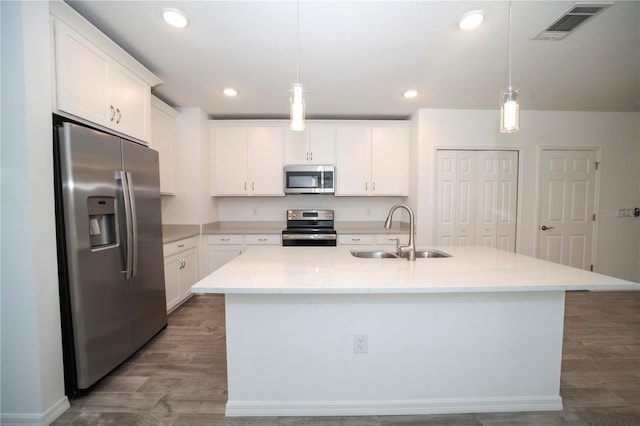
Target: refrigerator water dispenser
[102,221]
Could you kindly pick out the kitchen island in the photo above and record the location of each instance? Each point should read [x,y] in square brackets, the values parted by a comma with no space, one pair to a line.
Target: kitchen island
[480,331]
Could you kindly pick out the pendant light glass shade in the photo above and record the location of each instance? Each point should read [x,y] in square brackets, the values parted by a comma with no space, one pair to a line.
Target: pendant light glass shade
[297,107]
[509,111]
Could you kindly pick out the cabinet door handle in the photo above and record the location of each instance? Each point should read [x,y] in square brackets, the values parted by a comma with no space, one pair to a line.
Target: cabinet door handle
[307,156]
[366,186]
[253,186]
[180,245]
[373,186]
[119,115]
[113,112]
[245,186]
[311,156]
[355,239]
[262,239]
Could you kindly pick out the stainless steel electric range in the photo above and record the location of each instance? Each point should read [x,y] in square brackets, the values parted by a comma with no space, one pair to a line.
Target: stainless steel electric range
[309,228]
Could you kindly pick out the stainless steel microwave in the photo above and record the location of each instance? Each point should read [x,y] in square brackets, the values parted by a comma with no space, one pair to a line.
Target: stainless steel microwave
[309,179]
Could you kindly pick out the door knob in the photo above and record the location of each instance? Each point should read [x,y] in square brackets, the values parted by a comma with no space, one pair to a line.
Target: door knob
[545,227]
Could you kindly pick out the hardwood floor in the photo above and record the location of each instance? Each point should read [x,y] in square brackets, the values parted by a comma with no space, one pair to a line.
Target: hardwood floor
[179,378]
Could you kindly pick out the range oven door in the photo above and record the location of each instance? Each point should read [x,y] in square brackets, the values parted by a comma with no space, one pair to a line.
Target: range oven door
[309,239]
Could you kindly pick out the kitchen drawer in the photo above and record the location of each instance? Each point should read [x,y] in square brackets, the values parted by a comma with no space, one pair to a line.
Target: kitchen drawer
[272,239]
[384,239]
[180,245]
[355,239]
[225,239]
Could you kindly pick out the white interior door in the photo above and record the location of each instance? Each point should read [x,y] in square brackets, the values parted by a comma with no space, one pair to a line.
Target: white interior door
[476,198]
[487,196]
[566,217]
[506,212]
[456,195]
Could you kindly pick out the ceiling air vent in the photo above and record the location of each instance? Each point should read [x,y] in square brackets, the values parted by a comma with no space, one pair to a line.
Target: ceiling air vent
[572,19]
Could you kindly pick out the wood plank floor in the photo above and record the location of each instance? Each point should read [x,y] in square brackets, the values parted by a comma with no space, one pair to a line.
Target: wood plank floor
[179,378]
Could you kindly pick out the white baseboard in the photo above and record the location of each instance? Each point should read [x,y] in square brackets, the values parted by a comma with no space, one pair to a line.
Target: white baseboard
[36,419]
[393,407]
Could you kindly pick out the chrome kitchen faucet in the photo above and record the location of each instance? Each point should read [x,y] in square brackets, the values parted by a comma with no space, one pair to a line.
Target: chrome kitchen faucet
[410,249]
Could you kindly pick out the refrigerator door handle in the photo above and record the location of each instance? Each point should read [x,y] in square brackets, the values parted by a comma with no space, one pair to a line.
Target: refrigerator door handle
[134,226]
[122,176]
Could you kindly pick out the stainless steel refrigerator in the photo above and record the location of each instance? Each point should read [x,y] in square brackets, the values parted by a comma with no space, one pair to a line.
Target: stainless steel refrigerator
[110,257]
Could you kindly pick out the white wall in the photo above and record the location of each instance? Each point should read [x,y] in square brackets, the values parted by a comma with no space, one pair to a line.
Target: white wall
[32,384]
[615,135]
[192,203]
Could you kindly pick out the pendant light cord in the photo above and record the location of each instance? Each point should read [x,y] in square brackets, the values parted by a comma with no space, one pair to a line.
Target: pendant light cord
[298,41]
[509,45]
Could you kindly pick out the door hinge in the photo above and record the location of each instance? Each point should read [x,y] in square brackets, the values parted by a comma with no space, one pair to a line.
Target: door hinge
[597,165]
[594,217]
[591,268]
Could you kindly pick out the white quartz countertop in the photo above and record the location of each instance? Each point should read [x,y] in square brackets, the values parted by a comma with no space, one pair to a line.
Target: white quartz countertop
[333,270]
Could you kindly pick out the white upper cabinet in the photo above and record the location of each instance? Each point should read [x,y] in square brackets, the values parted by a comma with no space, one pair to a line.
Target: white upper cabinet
[91,85]
[390,161]
[315,145]
[372,161]
[82,76]
[353,166]
[162,140]
[247,161]
[131,99]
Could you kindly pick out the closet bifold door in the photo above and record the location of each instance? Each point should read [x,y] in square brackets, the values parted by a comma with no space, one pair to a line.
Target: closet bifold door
[476,198]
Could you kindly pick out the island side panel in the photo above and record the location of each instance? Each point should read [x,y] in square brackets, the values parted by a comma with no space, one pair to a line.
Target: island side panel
[427,353]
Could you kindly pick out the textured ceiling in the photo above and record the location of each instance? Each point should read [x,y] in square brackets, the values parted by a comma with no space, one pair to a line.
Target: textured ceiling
[358,57]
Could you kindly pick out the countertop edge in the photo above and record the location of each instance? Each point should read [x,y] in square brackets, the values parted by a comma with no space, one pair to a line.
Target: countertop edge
[414,290]
[173,233]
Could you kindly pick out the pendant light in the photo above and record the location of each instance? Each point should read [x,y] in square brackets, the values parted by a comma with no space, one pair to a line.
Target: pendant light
[296,99]
[509,108]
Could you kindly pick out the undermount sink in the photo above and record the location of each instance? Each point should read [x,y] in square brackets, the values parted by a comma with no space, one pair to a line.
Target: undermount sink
[378,254]
[374,254]
[428,254]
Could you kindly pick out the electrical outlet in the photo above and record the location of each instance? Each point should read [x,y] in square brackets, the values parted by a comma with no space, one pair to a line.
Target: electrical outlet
[359,343]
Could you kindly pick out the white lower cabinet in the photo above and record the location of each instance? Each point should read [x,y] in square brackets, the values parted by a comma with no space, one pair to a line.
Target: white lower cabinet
[372,241]
[358,241]
[222,248]
[180,270]
[263,239]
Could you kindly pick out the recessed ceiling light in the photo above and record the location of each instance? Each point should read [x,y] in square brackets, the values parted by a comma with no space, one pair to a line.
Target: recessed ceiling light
[230,91]
[175,18]
[411,93]
[471,20]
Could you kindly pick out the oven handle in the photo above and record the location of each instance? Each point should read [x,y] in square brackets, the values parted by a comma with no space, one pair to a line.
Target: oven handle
[309,236]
